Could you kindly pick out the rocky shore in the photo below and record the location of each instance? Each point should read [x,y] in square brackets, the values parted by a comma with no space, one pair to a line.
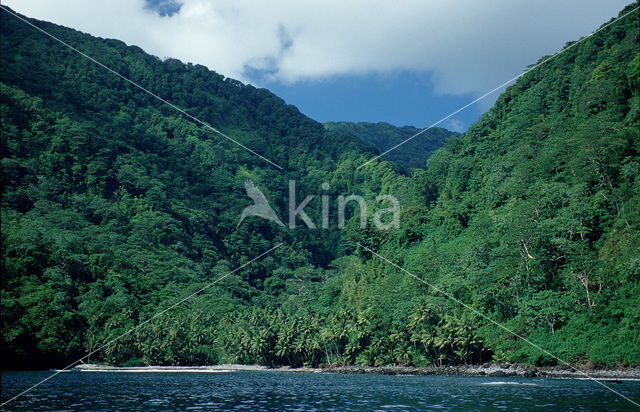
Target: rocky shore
[496,370]
[491,370]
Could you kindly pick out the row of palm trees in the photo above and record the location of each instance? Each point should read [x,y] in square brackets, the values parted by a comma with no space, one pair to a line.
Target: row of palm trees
[273,337]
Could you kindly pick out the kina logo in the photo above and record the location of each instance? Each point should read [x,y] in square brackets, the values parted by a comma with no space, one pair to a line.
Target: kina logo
[386,205]
[260,208]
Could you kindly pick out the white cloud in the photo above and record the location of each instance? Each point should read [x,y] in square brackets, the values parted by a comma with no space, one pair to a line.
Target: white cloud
[468,45]
[455,125]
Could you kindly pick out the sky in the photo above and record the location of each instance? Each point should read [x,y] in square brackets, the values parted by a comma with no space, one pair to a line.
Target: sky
[408,62]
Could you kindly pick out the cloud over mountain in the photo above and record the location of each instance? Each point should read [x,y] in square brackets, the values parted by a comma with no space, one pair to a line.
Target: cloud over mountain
[467,46]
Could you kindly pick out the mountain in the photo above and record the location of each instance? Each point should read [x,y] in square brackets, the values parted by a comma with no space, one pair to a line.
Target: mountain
[530,218]
[114,203]
[116,206]
[384,136]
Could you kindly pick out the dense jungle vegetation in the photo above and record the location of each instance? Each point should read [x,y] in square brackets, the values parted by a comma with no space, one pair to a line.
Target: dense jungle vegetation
[115,206]
[383,136]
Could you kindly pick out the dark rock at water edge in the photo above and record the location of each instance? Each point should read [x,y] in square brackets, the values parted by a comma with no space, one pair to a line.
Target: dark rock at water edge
[501,370]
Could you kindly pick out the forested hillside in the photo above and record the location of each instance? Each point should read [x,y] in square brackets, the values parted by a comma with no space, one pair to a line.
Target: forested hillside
[532,218]
[115,206]
[384,136]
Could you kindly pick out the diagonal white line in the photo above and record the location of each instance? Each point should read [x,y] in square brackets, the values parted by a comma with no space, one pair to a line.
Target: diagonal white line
[162,312]
[496,89]
[496,323]
[192,117]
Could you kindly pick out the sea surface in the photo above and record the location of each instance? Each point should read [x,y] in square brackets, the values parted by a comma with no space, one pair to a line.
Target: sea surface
[247,390]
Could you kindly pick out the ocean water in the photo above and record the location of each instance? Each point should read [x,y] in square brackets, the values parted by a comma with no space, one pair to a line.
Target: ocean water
[278,391]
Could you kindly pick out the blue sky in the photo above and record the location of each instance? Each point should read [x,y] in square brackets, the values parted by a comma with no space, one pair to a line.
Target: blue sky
[400,98]
[406,63]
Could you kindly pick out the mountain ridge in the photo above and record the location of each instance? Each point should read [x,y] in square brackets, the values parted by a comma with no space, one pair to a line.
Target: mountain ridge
[383,136]
[114,206]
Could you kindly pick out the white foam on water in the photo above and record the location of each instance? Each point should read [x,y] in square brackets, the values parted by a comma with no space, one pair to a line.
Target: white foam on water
[149,370]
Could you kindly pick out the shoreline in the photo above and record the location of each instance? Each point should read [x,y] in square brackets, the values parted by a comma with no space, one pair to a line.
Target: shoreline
[494,370]
[498,370]
[191,369]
